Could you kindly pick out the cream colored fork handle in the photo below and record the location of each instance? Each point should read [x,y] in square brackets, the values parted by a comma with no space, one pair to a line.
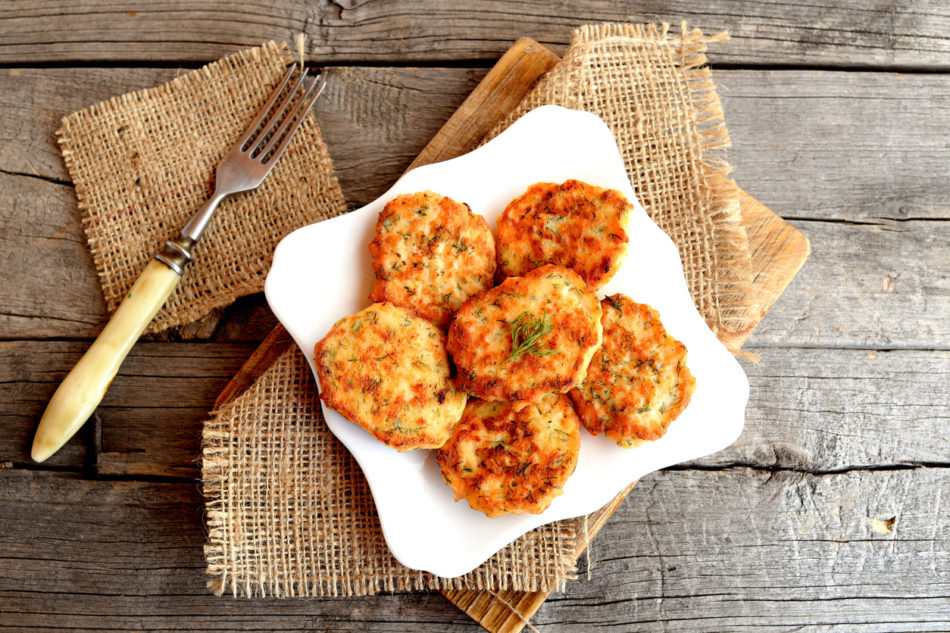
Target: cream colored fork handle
[82,390]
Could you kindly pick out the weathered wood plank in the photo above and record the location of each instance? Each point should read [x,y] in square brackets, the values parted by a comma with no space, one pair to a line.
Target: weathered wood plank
[153,410]
[819,33]
[44,249]
[821,410]
[890,286]
[377,120]
[817,166]
[498,93]
[773,551]
[807,144]
[689,550]
[778,252]
[33,101]
[394,113]
[810,409]
[841,146]
[29,374]
[174,387]
[873,286]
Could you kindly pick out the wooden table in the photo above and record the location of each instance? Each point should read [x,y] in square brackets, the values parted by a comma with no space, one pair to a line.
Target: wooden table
[830,512]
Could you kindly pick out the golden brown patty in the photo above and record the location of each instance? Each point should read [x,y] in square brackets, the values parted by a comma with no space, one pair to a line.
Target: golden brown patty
[638,381]
[431,253]
[506,461]
[386,370]
[573,224]
[528,337]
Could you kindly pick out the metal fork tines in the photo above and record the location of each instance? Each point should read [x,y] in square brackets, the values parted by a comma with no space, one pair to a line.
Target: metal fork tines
[252,156]
[252,142]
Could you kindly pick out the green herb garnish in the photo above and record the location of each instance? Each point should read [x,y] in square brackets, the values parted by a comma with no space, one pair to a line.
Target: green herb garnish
[526,332]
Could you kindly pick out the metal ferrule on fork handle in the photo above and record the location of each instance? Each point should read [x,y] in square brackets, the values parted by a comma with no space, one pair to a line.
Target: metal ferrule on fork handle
[177,253]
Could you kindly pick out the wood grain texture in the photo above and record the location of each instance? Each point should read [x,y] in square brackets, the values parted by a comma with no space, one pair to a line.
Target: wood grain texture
[864,147]
[863,160]
[29,374]
[824,33]
[809,145]
[876,285]
[778,252]
[816,548]
[39,222]
[689,550]
[822,411]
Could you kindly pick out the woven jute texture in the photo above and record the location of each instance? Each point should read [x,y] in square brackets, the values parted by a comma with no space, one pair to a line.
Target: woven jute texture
[656,94]
[290,514]
[144,162]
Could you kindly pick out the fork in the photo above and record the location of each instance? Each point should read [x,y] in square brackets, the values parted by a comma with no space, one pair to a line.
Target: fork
[244,167]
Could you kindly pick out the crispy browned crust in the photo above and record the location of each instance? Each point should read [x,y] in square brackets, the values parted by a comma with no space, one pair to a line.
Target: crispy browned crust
[431,253]
[480,339]
[505,461]
[638,381]
[387,370]
[572,224]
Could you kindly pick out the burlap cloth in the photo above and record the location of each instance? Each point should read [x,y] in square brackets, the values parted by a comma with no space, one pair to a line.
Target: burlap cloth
[288,510]
[144,162]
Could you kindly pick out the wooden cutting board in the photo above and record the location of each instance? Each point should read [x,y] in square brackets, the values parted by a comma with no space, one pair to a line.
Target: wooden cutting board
[778,252]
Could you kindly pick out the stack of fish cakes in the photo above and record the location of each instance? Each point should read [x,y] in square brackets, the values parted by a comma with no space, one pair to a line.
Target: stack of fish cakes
[530,353]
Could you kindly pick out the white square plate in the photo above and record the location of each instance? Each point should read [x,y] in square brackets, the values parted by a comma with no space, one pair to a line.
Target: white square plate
[322,273]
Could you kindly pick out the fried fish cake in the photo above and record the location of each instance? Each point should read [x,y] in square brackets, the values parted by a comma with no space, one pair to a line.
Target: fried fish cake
[387,370]
[431,253]
[638,381]
[505,461]
[572,224]
[527,337]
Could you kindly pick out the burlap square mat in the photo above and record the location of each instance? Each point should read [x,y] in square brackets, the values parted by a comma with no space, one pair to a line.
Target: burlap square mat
[289,512]
[144,162]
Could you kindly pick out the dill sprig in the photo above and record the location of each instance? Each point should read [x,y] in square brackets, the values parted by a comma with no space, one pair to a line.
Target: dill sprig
[526,332]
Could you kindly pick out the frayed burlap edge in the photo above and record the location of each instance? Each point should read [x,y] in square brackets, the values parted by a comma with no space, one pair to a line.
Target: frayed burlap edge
[735,308]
